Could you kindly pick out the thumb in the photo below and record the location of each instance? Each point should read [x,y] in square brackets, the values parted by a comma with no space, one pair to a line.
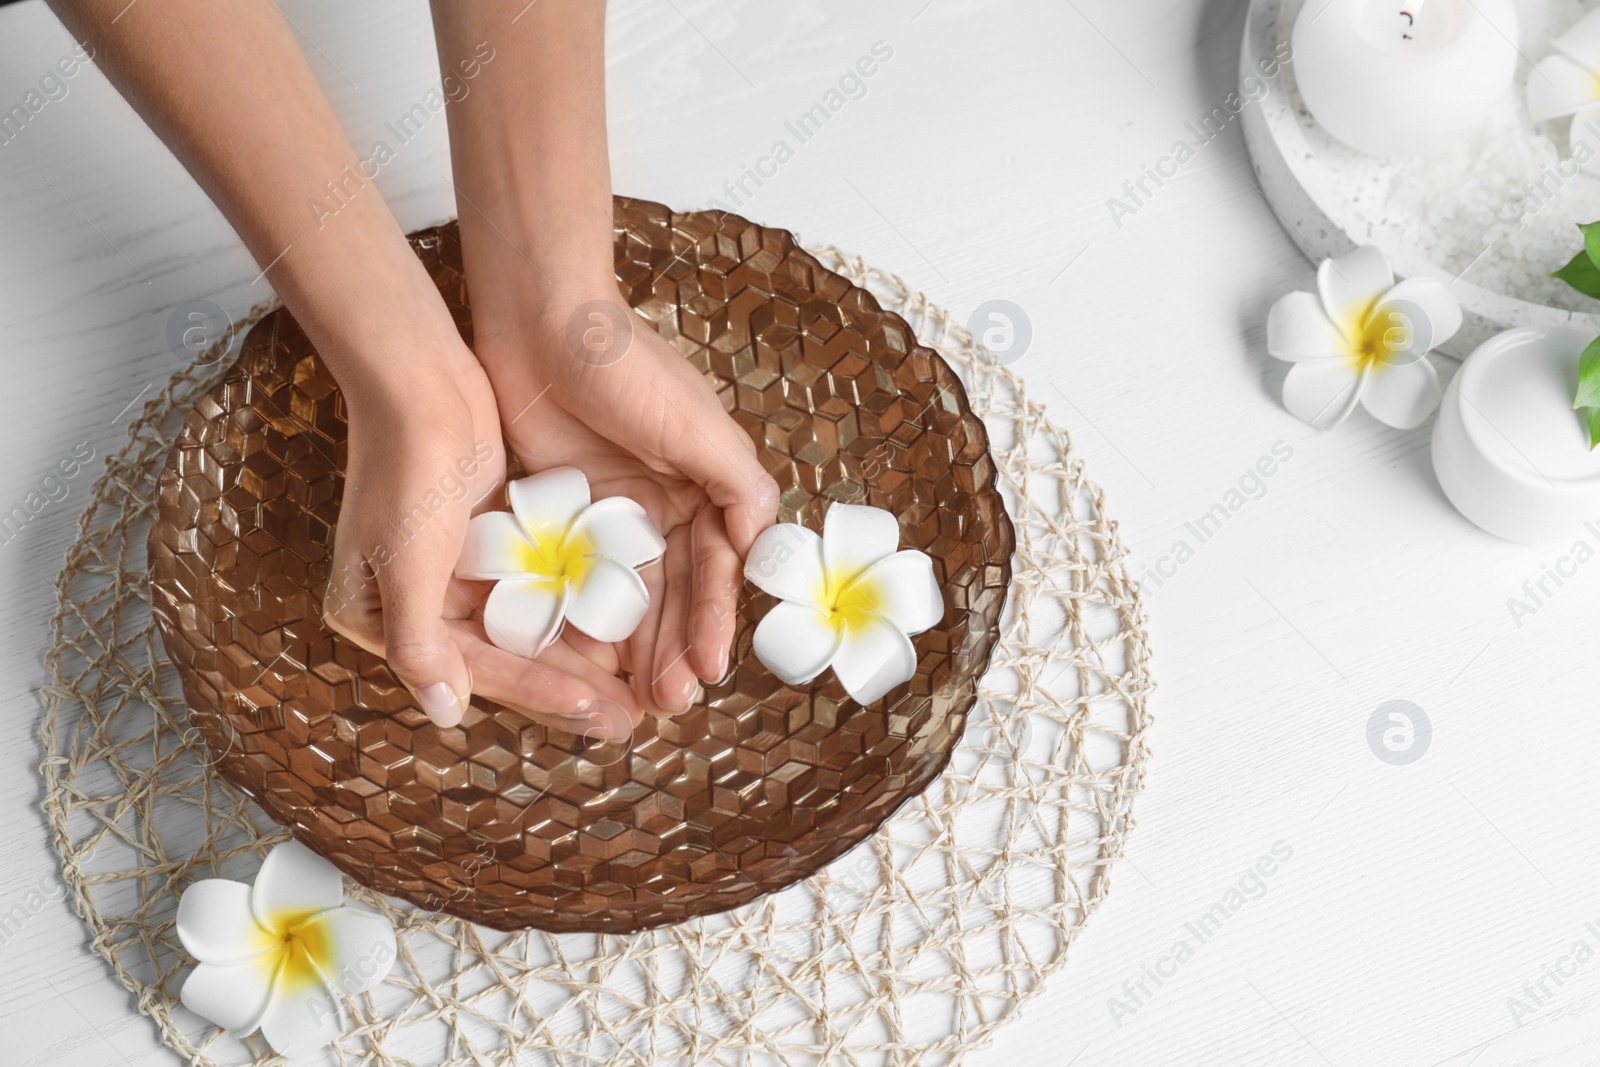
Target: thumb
[417,643]
[709,447]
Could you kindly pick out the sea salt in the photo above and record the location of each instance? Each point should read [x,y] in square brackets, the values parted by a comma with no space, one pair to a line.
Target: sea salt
[1499,209]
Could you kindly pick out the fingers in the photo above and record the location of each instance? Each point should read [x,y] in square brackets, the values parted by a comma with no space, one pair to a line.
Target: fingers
[600,653]
[640,656]
[747,516]
[350,604]
[709,447]
[416,640]
[561,688]
[712,616]
[463,597]
[609,689]
[395,611]
[672,678]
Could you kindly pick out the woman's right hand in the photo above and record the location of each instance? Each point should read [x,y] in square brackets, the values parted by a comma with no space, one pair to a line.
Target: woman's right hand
[419,406]
[425,454]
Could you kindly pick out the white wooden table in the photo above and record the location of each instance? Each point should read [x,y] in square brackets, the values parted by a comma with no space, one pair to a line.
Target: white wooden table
[1418,900]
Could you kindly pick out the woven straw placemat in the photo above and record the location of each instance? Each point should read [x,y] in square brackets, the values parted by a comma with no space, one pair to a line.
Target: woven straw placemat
[909,950]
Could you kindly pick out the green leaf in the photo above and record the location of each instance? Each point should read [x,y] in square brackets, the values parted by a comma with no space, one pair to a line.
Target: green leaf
[1586,397]
[1588,394]
[1591,240]
[1581,273]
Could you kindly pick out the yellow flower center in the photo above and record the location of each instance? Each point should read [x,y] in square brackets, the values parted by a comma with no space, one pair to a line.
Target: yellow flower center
[849,603]
[291,960]
[1379,338]
[559,556]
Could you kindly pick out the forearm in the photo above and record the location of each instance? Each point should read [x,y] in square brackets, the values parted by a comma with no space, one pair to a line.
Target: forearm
[528,146]
[226,87]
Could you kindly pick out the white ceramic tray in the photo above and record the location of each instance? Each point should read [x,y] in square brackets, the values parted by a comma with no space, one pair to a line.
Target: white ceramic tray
[1330,198]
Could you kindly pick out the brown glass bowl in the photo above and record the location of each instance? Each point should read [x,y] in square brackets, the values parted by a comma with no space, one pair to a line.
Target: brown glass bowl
[512,824]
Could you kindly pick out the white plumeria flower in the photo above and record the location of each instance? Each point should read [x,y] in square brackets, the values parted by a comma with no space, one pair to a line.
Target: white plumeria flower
[556,557]
[851,601]
[281,954]
[1363,338]
[1568,83]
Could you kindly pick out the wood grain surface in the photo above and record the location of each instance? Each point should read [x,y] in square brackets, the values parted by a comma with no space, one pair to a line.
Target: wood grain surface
[1418,905]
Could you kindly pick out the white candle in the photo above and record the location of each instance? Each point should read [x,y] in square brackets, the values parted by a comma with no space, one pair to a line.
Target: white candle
[1508,449]
[1403,77]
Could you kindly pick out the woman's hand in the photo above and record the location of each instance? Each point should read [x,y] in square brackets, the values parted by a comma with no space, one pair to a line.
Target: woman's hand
[425,454]
[584,382]
[419,405]
[533,188]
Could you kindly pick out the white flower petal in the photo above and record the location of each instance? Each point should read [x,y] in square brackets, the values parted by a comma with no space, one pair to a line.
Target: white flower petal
[1298,328]
[609,601]
[353,949]
[547,502]
[1402,395]
[902,589]
[496,547]
[1425,309]
[302,1015]
[786,561]
[1350,284]
[874,657]
[854,537]
[523,615]
[1557,86]
[618,529]
[796,642]
[1582,42]
[233,996]
[216,925]
[294,884]
[1322,393]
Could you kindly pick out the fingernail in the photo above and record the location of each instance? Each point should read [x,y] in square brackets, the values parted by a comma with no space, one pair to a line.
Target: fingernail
[440,703]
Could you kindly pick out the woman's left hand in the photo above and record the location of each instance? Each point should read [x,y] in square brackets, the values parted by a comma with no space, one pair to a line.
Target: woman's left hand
[634,415]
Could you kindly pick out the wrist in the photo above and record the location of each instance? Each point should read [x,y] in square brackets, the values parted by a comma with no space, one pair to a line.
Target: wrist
[531,329]
[411,376]
[373,315]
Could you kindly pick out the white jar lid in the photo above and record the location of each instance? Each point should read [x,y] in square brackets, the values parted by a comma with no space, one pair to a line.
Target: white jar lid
[1510,452]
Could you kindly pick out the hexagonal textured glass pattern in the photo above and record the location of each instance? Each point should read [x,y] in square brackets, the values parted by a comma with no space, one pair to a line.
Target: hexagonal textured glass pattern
[513,824]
